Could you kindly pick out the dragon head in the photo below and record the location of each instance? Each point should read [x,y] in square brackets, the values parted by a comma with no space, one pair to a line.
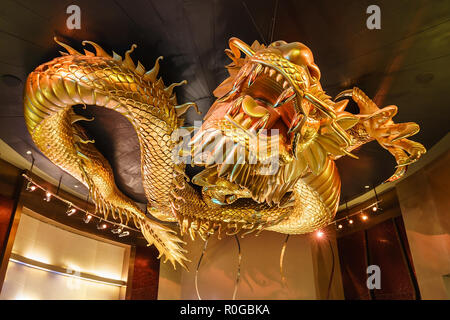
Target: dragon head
[268,84]
[266,115]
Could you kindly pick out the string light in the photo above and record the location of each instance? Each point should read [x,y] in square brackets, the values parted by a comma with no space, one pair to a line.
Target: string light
[374,207]
[101,226]
[72,209]
[87,218]
[117,230]
[124,234]
[48,196]
[30,187]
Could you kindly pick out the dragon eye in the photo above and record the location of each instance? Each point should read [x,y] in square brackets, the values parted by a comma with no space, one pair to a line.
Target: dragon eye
[277,43]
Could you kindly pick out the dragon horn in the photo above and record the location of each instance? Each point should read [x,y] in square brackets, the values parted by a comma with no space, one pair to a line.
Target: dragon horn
[237,45]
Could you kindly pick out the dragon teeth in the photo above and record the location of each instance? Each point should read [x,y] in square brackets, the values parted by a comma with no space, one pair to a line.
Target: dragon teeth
[239,117]
[272,72]
[246,123]
[235,107]
[261,123]
[245,71]
[285,84]
[279,78]
[286,95]
[258,69]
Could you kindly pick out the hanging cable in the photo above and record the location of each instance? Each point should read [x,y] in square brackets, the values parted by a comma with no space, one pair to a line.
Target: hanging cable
[198,267]
[32,161]
[59,184]
[273,21]
[283,250]
[332,269]
[238,276]
[254,23]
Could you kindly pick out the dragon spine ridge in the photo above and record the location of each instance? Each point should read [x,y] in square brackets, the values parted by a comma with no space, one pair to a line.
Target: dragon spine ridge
[300,198]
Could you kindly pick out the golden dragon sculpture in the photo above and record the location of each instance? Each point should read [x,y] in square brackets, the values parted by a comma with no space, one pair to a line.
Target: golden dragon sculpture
[267,145]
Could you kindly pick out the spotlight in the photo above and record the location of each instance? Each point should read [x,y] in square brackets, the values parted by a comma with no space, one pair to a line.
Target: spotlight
[364,217]
[70,211]
[101,226]
[319,234]
[48,196]
[30,187]
[87,218]
[124,234]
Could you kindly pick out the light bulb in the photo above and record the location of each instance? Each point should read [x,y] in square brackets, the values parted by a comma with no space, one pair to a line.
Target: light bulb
[340,226]
[30,186]
[87,218]
[70,211]
[101,226]
[48,196]
[375,208]
[364,217]
[350,221]
[117,230]
[319,234]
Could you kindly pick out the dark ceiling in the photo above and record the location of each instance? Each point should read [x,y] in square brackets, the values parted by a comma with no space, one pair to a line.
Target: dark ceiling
[405,63]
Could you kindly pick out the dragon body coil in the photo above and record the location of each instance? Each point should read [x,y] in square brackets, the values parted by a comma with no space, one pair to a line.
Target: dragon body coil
[274,87]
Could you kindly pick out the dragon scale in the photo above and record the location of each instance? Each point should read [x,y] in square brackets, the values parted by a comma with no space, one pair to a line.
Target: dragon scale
[301,197]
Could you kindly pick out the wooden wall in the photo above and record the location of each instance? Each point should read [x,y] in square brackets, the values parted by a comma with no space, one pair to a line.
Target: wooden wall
[380,241]
[144,265]
[143,275]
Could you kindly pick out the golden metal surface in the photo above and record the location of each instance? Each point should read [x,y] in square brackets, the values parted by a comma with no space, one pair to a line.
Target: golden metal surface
[268,143]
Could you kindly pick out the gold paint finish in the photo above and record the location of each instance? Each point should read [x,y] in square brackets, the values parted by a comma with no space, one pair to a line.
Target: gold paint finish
[274,87]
